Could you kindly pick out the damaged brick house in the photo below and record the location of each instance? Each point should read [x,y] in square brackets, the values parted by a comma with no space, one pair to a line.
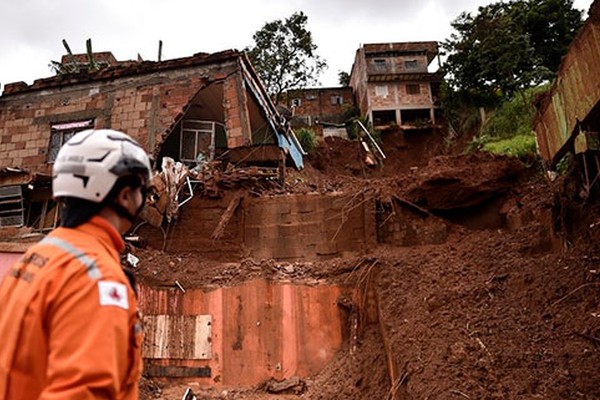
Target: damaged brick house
[323,109]
[389,84]
[392,84]
[194,109]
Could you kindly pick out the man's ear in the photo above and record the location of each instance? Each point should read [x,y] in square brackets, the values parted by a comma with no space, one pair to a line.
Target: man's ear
[125,196]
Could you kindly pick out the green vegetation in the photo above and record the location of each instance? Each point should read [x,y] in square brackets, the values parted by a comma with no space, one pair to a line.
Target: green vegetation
[284,55]
[509,129]
[498,60]
[307,138]
[520,146]
[508,47]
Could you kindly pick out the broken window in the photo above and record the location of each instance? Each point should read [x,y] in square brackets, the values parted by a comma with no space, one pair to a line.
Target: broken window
[381,90]
[197,140]
[411,64]
[41,210]
[60,133]
[337,100]
[413,88]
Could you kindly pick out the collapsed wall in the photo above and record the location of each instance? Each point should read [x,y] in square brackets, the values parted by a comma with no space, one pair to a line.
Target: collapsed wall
[307,227]
[245,334]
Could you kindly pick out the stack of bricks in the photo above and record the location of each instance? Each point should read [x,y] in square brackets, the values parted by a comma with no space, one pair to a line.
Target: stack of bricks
[236,114]
[307,227]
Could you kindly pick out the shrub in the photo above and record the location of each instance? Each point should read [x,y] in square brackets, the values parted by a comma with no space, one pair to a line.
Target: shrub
[520,146]
[307,139]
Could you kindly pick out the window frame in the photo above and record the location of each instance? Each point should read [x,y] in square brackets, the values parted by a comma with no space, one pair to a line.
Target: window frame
[411,64]
[413,88]
[336,100]
[64,131]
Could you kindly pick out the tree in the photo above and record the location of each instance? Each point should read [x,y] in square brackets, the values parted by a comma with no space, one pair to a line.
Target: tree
[552,26]
[284,55]
[344,78]
[508,47]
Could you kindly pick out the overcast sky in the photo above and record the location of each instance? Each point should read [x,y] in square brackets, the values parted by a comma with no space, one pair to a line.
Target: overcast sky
[31,31]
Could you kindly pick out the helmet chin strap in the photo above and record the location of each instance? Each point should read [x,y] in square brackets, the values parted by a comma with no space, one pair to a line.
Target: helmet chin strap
[123,212]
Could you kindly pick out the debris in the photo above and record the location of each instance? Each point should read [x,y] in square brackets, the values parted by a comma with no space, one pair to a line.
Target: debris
[293,384]
[132,260]
[220,229]
[189,395]
[180,286]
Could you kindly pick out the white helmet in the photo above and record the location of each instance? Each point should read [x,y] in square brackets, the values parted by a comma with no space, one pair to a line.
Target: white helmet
[88,164]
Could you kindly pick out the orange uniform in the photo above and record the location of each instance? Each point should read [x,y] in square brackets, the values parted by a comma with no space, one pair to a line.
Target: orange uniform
[69,321]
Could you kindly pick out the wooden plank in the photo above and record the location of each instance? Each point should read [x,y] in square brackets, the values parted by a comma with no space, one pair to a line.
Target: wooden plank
[177,337]
[233,205]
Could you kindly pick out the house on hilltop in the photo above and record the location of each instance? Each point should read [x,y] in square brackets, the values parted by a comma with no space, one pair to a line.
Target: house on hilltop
[193,109]
[392,84]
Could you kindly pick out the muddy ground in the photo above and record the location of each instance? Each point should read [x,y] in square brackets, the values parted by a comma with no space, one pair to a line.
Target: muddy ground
[507,307]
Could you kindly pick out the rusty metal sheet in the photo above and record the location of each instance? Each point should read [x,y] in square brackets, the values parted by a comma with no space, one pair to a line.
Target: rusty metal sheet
[574,94]
[178,337]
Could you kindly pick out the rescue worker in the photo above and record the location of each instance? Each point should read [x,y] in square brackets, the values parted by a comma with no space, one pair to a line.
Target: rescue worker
[69,321]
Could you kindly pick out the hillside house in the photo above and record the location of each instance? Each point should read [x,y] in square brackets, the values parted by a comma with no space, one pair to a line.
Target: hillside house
[194,109]
[390,85]
[325,110]
[393,86]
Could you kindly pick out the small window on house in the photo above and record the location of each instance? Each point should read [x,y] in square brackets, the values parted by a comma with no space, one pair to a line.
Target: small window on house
[379,64]
[311,97]
[413,88]
[11,206]
[197,140]
[337,100]
[411,64]
[296,102]
[60,133]
[381,90]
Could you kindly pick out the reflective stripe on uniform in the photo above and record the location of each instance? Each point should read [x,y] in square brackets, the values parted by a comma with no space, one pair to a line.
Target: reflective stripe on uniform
[91,268]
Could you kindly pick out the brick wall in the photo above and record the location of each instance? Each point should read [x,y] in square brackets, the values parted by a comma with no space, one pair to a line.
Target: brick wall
[398,97]
[405,227]
[308,226]
[236,113]
[144,106]
[317,104]
[296,227]
[194,227]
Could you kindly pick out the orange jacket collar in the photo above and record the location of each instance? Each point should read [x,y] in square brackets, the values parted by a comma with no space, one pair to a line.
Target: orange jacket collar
[103,230]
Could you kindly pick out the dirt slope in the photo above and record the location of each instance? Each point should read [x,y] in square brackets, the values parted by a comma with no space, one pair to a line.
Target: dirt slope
[509,310]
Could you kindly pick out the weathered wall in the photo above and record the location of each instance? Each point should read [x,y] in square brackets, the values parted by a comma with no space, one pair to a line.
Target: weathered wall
[259,329]
[401,226]
[193,229]
[293,227]
[308,226]
[144,106]
[317,105]
[575,92]
[397,96]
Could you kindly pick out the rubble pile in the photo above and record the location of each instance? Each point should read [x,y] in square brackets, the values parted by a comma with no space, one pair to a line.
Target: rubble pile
[500,311]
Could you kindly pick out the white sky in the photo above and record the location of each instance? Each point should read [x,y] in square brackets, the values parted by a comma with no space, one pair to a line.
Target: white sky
[31,31]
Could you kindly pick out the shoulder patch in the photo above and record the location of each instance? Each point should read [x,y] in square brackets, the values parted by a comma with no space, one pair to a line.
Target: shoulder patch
[113,294]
